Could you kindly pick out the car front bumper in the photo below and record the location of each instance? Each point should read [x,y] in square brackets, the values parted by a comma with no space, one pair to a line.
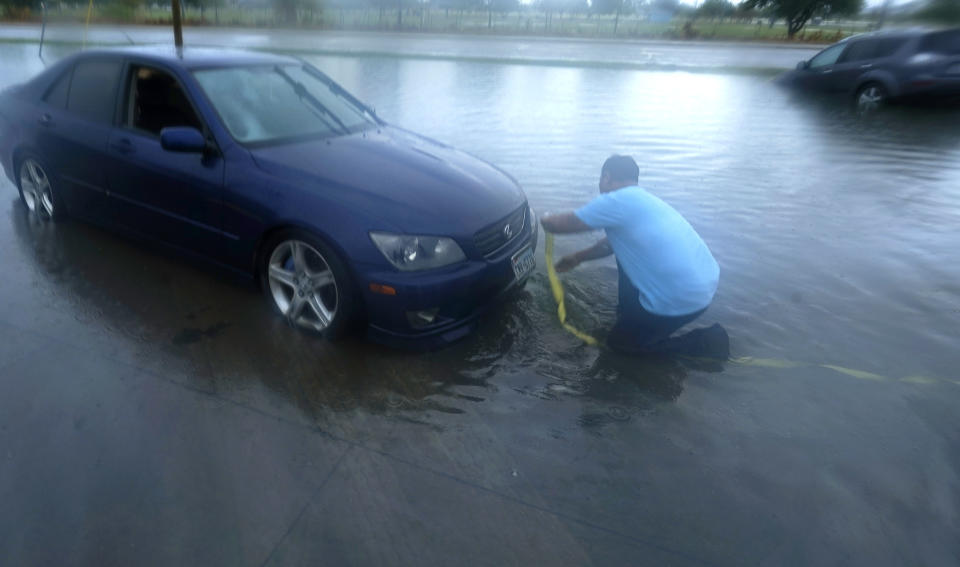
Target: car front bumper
[460,295]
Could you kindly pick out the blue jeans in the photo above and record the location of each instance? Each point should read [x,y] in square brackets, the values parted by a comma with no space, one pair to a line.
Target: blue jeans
[638,330]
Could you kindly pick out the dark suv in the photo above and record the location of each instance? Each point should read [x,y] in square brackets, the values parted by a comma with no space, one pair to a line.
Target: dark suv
[874,68]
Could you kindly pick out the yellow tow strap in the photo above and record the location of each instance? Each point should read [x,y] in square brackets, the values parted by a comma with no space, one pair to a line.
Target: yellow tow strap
[558,296]
[557,288]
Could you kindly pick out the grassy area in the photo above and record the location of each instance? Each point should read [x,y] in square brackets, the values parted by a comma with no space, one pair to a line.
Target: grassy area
[528,22]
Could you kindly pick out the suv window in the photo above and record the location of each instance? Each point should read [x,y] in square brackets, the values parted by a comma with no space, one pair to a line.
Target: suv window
[57,95]
[155,101]
[872,49]
[828,56]
[93,90]
[888,46]
[859,51]
[945,43]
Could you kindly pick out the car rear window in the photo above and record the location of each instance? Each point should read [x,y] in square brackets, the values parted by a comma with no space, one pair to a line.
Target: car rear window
[946,43]
[93,90]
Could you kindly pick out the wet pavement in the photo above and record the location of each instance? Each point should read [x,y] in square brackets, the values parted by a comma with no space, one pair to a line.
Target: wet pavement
[153,411]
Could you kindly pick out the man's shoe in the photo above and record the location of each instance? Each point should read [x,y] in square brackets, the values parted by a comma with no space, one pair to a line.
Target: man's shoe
[714,342]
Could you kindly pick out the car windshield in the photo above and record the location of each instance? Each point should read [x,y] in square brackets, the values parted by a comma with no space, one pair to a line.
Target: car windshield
[279,102]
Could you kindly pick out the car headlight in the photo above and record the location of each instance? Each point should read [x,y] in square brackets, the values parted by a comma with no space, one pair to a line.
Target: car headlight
[410,253]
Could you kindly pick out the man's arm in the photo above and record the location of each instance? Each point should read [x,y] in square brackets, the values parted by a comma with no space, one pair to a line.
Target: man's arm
[599,250]
[563,223]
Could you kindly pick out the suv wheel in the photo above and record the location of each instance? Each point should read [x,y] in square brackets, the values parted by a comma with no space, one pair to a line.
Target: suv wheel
[870,97]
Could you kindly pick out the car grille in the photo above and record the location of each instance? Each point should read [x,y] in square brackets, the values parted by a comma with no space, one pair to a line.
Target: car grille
[492,238]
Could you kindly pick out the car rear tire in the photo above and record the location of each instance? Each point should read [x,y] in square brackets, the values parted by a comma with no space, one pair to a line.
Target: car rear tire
[870,98]
[307,283]
[37,191]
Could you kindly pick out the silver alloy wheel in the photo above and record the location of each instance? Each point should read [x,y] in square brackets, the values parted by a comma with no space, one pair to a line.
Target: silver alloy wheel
[870,99]
[302,285]
[37,192]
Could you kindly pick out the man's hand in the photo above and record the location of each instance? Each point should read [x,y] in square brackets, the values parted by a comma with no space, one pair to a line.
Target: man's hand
[567,263]
[599,250]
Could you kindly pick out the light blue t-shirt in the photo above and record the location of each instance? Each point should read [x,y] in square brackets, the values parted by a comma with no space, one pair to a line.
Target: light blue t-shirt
[657,248]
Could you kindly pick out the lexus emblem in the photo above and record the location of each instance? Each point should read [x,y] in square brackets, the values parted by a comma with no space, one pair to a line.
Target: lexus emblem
[507,231]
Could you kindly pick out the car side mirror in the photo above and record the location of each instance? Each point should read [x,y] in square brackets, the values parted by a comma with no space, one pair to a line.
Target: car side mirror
[182,139]
[803,65]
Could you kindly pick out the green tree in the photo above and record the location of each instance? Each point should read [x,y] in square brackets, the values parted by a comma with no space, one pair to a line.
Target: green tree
[121,10]
[605,6]
[313,10]
[286,11]
[201,5]
[716,9]
[941,12]
[670,7]
[561,6]
[618,7]
[798,12]
[502,6]
[18,8]
[746,14]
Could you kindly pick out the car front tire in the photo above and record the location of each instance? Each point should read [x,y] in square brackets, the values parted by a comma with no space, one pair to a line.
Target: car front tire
[306,282]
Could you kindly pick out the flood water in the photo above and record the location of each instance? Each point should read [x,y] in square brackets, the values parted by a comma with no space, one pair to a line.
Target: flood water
[834,234]
[837,241]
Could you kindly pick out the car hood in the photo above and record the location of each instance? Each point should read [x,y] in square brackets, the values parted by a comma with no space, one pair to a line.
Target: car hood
[423,186]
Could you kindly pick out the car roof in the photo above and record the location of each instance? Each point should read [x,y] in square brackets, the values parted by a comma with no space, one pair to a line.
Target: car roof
[193,57]
[188,58]
[896,33]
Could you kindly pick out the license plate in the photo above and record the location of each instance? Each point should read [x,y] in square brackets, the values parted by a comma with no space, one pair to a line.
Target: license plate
[523,262]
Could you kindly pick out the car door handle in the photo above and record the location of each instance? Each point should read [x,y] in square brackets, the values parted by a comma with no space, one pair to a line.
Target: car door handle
[827,71]
[867,66]
[123,146]
[46,120]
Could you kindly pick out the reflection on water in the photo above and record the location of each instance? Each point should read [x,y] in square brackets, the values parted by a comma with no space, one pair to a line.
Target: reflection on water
[833,234]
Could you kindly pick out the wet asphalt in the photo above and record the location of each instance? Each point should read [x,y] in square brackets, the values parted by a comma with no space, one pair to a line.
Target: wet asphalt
[154,412]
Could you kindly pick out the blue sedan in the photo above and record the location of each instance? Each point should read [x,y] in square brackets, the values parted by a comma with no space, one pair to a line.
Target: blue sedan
[264,165]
